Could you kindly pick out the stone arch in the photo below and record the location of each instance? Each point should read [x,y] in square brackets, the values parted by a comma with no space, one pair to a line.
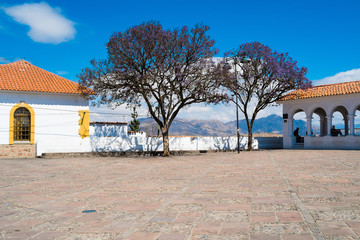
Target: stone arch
[355,118]
[297,110]
[32,122]
[344,112]
[319,111]
[294,125]
[353,111]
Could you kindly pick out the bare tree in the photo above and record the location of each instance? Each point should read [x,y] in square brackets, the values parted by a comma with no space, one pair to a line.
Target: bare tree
[261,77]
[164,69]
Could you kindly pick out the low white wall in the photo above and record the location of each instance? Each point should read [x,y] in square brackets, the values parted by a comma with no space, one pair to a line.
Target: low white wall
[270,142]
[326,142]
[152,144]
[329,142]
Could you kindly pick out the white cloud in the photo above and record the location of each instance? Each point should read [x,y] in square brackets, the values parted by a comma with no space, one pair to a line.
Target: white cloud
[62,72]
[206,112]
[46,24]
[348,76]
[6,60]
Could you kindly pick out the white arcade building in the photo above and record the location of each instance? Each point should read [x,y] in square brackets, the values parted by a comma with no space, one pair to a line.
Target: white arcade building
[320,104]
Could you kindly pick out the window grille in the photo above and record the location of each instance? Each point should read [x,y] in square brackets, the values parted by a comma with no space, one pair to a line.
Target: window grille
[22,124]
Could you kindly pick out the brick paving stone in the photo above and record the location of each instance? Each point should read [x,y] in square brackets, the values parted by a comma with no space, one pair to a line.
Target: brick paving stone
[263,217]
[234,228]
[289,216]
[172,236]
[21,234]
[335,228]
[297,237]
[355,226]
[206,227]
[165,219]
[271,200]
[48,235]
[91,226]
[117,227]
[255,236]
[143,236]
[228,207]
[188,217]
[6,222]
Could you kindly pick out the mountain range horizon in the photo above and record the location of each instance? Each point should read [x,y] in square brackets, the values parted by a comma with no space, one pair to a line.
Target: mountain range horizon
[194,127]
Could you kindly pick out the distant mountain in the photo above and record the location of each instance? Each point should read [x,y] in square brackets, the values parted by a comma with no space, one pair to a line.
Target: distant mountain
[186,127]
[269,124]
[301,124]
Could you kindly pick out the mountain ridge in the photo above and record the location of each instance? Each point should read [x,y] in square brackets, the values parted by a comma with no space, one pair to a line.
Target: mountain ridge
[187,127]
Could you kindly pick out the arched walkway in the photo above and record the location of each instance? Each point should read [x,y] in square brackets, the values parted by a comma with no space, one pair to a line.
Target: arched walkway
[324,106]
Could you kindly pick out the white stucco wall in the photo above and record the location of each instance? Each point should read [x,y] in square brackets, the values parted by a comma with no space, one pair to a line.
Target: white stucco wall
[56,120]
[186,143]
[108,130]
[328,103]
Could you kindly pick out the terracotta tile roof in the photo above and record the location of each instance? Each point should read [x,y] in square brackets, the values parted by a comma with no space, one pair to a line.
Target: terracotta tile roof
[23,76]
[324,90]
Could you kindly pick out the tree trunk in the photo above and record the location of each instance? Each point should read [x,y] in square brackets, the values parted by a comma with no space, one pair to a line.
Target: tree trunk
[165,135]
[250,139]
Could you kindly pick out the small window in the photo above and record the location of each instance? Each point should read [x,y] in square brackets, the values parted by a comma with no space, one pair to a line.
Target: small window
[22,124]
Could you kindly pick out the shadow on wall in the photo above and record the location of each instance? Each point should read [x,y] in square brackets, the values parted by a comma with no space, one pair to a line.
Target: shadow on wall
[113,144]
[153,144]
[110,131]
[270,142]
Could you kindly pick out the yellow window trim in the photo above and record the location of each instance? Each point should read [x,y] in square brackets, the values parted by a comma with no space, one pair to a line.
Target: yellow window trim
[32,124]
[84,123]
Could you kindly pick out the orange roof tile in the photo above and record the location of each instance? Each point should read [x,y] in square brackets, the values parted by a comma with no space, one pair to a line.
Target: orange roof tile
[23,76]
[324,90]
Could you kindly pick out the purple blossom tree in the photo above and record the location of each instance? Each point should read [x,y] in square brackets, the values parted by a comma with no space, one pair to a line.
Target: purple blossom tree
[261,76]
[165,69]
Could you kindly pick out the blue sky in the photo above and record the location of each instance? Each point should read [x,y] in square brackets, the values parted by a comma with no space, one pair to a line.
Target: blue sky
[63,36]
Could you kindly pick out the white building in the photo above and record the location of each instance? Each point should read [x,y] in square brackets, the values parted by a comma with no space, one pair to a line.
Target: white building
[321,103]
[40,111]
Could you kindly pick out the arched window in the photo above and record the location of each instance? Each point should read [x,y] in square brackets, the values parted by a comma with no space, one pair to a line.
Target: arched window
[22,124]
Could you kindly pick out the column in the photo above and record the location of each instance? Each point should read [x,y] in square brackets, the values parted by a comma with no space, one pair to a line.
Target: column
[290,126]
[308,126]
[329,124]
[323,124]
[351,119]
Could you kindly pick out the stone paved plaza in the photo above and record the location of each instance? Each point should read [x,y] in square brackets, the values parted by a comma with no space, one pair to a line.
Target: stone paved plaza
[278,194]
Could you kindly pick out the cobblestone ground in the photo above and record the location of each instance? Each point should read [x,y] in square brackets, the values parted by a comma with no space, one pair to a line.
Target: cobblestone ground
[279,194]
